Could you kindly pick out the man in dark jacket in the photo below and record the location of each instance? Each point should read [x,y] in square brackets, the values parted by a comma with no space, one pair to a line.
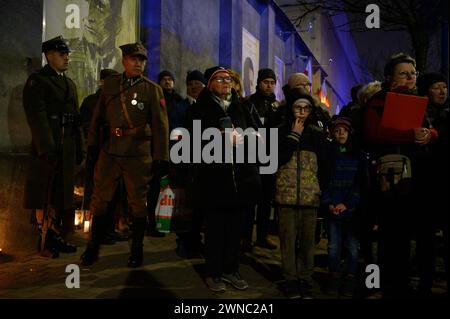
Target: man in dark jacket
[223,189]
[265,112]
[51,107]
[175,117]
[166,80]
[188,243]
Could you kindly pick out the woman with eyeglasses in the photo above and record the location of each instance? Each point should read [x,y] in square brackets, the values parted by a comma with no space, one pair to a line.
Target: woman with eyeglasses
[401,209]
[303,157]
[222,189]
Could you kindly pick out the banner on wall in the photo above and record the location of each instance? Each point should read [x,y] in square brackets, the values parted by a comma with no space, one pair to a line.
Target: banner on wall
[250,62]
[94,29]
[279,73]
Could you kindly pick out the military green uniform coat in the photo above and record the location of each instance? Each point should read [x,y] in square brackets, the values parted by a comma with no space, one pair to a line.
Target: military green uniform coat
[128,156]
[46,97]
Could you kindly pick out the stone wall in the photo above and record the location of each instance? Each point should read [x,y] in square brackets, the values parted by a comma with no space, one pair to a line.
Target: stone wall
[21,25]
[16,232]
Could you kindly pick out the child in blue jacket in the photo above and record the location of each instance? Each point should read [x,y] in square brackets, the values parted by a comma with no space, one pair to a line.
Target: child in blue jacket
[341,198]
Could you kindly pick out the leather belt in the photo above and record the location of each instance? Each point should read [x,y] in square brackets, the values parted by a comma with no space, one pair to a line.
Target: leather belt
[120,131]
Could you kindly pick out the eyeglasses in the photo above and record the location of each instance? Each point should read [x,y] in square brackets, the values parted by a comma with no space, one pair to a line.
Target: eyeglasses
[405,74]
[305,109]
[226,79]
[306,84]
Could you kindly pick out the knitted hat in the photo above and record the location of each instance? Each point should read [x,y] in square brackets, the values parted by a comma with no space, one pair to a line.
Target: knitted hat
[211,72]
[303,100]
[165,73]
[293,96]
[265,74]
[342,121]
[428,79]
[195,75]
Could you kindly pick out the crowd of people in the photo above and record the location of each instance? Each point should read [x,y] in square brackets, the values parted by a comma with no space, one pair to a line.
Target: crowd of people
[363,178]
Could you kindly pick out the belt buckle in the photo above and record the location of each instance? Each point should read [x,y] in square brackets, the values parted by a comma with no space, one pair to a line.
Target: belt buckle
[118,131]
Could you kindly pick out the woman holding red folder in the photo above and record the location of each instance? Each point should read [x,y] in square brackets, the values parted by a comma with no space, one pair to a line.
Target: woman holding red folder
[398,214]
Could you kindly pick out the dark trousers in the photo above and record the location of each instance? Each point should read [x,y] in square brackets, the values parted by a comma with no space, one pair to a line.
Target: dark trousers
[341,235]
[425,252]
[263,210]
[222,240]
[192,239]
[394,245]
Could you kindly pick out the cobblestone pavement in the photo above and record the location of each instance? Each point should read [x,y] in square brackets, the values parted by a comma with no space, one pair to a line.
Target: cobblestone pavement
[164,274]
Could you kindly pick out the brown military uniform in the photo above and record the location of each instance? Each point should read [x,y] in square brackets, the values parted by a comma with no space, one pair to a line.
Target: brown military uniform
[132,144]
[50,100]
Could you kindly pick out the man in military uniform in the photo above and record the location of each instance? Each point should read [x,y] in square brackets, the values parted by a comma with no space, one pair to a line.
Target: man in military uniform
[51,107]
[133,109]
[87,178]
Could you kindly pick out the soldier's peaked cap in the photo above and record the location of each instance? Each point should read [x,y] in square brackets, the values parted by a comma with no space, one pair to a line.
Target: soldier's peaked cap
[57,44]
[134,49]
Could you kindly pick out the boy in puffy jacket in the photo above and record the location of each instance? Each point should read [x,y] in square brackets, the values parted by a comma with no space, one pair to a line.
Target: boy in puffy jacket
[302,166]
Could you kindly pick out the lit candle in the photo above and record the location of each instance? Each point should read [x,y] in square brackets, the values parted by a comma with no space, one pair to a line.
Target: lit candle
[77,218]
[87,224]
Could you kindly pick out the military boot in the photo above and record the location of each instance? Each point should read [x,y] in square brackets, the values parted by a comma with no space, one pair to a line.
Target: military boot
[98,232]
[137,246]
[66,226]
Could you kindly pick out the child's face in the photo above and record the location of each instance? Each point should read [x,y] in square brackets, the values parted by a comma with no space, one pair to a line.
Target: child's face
[301,110]
[340,135]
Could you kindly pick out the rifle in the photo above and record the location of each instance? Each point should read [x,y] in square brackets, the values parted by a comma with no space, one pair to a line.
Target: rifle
[47,221]
[48,231]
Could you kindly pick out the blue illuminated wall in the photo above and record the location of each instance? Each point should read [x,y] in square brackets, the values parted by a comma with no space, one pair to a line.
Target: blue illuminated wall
[197,34]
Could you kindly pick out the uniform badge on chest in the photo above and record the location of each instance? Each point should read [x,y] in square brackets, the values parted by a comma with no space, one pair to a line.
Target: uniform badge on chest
[134,101]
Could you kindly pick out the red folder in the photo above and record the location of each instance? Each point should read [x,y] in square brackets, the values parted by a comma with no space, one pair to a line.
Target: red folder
[403,112]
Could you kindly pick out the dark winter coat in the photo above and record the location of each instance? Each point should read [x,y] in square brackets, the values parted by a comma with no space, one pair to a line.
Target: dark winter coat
[176,109]
[222,184]
[49,99]
[87,111]
[264,108]
[344,185]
